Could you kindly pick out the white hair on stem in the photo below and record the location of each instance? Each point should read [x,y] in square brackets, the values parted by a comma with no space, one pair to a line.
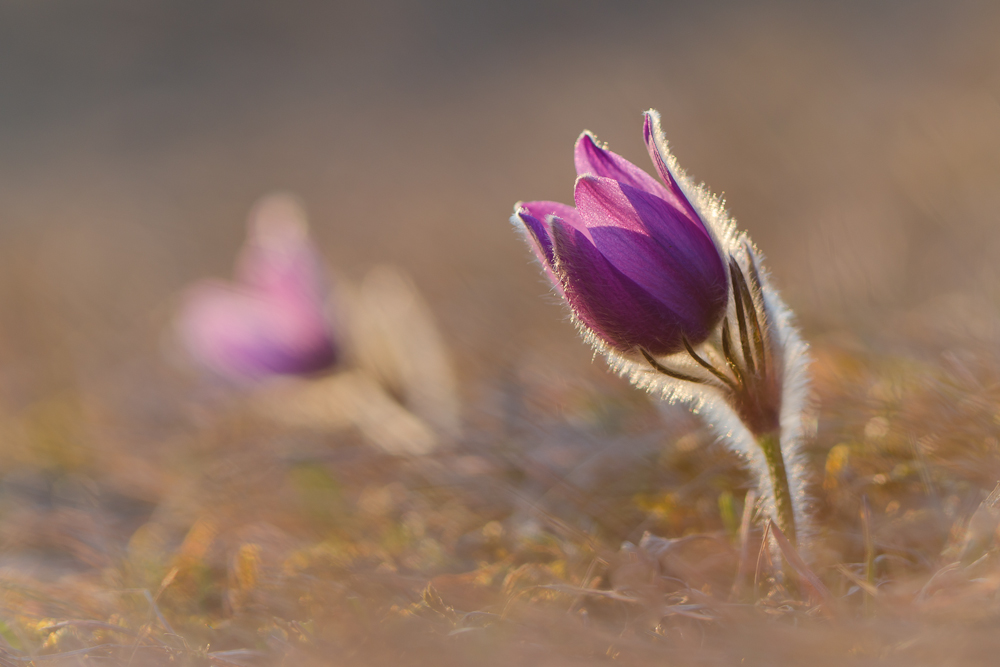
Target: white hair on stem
[750,394]
[788,350]
[711,405]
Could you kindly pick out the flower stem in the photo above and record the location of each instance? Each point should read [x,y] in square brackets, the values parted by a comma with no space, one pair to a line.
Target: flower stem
[770,444]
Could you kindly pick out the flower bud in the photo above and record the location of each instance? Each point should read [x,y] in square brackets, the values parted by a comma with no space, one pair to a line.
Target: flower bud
[633,259]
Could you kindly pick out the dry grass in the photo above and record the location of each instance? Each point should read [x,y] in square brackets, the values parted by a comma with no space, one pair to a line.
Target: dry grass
[509,546]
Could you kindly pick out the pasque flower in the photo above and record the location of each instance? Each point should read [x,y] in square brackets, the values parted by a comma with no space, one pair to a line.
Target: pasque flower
[633,259]
[273,318]
[659,280]
[369,357]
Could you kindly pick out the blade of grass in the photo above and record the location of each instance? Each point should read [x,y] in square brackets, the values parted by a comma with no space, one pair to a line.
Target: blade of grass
[866,531]
[739,584]
[802,571]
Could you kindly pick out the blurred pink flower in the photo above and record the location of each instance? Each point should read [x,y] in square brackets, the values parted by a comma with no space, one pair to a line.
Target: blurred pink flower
[272,319]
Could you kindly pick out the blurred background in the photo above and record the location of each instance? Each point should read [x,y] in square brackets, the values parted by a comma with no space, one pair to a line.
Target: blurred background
[858,143]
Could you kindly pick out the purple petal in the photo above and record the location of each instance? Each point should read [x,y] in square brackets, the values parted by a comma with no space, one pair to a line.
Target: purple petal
[591,158]
[543,210]
[651,134]
[667,254]
[534,216]
[242,333]
[614,307]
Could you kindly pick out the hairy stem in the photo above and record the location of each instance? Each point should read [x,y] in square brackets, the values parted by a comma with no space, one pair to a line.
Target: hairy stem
[770,444]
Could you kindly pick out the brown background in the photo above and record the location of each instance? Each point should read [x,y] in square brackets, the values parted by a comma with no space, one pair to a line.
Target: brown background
[859,142]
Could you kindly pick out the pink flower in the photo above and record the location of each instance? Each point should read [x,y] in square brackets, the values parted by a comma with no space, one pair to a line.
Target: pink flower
[272,319]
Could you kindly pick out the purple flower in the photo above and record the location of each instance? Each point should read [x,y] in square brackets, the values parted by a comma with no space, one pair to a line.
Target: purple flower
[634,260]
[272,319]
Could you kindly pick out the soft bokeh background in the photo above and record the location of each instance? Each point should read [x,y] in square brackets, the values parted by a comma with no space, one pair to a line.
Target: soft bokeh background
[858,142]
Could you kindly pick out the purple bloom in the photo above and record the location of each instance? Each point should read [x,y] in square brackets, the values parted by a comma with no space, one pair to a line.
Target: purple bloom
[633,259]
[272,319]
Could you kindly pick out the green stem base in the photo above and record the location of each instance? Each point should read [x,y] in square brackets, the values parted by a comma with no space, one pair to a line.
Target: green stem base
[770,444]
